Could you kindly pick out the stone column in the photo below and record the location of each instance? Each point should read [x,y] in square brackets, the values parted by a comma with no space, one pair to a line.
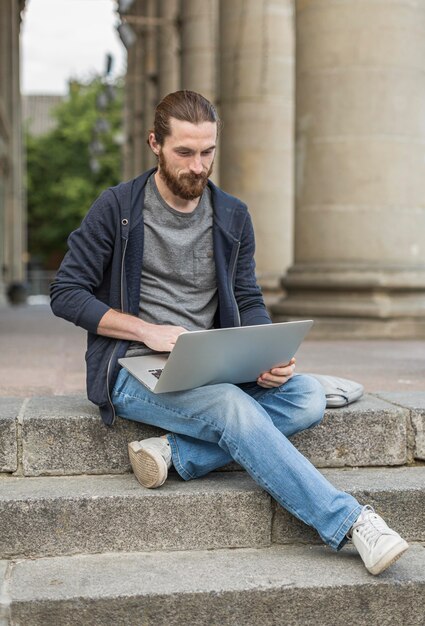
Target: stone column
[150,86]
[199,55]
[12,197]
[360,148]
[4,145]
[134,83]
[168,47]
[133,149]
[199,23]
[256,104]
[19,254]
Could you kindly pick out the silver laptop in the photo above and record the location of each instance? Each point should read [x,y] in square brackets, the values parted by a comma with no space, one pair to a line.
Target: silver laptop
[222,355]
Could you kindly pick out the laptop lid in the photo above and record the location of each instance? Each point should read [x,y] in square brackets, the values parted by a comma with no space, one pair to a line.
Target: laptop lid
[224,355]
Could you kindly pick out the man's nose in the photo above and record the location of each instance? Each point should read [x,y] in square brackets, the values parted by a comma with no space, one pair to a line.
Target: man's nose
[196,165]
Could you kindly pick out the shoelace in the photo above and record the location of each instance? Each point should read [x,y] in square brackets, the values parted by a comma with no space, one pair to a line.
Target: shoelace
[370,526]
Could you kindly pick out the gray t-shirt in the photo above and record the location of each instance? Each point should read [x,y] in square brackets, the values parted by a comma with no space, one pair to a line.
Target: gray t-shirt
[178,284]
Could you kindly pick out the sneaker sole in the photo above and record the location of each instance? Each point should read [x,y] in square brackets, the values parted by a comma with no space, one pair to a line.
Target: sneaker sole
[388,559]
[149,467]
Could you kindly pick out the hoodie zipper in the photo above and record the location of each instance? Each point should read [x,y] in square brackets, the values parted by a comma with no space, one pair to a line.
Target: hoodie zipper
[114,415]
[232,275]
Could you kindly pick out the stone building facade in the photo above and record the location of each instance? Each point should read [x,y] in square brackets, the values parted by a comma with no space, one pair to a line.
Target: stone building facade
[324,138]
[323,104]
[240,55]
[12,196]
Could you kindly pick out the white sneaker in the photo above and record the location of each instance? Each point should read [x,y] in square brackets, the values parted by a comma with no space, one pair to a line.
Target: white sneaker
[150,460]
[377,544]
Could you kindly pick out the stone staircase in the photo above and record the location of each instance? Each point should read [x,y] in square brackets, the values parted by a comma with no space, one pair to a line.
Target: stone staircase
[82,543]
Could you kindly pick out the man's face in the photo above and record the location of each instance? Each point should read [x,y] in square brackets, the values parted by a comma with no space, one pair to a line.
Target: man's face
[185,160]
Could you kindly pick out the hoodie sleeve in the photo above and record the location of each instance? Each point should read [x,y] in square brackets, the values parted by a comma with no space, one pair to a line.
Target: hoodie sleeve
[247,292]
[90,248]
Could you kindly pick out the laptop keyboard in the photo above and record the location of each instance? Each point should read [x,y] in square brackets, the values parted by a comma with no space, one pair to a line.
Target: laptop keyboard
[157,373]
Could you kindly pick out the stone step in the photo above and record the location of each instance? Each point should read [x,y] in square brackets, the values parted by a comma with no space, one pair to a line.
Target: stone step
[50,516]
[415,402]
[63,435]
[291,585]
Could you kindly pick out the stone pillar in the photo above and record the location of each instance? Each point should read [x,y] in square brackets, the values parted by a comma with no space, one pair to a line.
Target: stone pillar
[12,196]
[256,104]
[16,200]
[4,147]
[133,149]
[199,24]
[360,148]
[199,55]
[150,86]
[134,80]
[168,48]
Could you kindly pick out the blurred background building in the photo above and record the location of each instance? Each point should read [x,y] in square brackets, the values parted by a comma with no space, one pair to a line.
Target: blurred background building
[323,105]
[37,112]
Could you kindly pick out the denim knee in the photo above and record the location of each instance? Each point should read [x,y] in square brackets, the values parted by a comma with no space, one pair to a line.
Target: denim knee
[232,399]
[240,413]
[311,399]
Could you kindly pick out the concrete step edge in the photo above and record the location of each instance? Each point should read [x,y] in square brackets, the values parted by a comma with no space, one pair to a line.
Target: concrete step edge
[63,435]
[280,585]
[66,515]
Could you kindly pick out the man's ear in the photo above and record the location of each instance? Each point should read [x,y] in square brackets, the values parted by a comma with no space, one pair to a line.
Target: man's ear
[155,147]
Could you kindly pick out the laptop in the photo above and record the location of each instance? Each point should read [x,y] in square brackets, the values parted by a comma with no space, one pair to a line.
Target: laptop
[222,355]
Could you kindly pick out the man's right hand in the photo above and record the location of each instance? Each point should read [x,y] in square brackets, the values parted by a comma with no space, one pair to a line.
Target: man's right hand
[161,338]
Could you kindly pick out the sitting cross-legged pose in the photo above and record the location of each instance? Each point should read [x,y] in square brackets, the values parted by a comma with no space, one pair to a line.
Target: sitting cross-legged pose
[169,252]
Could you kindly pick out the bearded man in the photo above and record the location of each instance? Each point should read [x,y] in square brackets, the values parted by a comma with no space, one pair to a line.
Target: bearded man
[167,253]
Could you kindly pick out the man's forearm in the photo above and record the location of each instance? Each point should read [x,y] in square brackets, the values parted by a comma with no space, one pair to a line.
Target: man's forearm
[161,338]
[122,326]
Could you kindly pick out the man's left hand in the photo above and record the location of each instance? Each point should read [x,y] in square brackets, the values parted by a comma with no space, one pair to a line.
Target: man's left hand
[277,375]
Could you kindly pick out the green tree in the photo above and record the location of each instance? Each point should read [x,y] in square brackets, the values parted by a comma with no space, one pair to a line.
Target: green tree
[70,166]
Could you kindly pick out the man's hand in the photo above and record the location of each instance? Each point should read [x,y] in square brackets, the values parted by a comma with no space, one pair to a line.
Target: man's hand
[277,375]
[161,338]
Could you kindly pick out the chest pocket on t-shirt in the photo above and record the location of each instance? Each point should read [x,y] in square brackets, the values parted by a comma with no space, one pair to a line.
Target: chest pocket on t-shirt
[204,266]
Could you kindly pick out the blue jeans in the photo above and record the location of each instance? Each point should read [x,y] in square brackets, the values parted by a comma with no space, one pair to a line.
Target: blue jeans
[209,426]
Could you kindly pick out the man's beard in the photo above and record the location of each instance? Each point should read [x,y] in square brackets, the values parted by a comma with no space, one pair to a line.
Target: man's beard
[185,186]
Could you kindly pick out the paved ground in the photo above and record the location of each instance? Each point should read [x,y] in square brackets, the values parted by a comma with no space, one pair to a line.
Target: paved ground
[43,355]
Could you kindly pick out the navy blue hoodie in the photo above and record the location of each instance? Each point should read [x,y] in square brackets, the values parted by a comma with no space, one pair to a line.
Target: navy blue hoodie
[102,270]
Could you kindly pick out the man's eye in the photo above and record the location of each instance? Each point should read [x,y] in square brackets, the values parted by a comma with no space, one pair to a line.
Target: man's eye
[183,153]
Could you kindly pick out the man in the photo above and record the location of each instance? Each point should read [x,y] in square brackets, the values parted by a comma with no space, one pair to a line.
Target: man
[167,253]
